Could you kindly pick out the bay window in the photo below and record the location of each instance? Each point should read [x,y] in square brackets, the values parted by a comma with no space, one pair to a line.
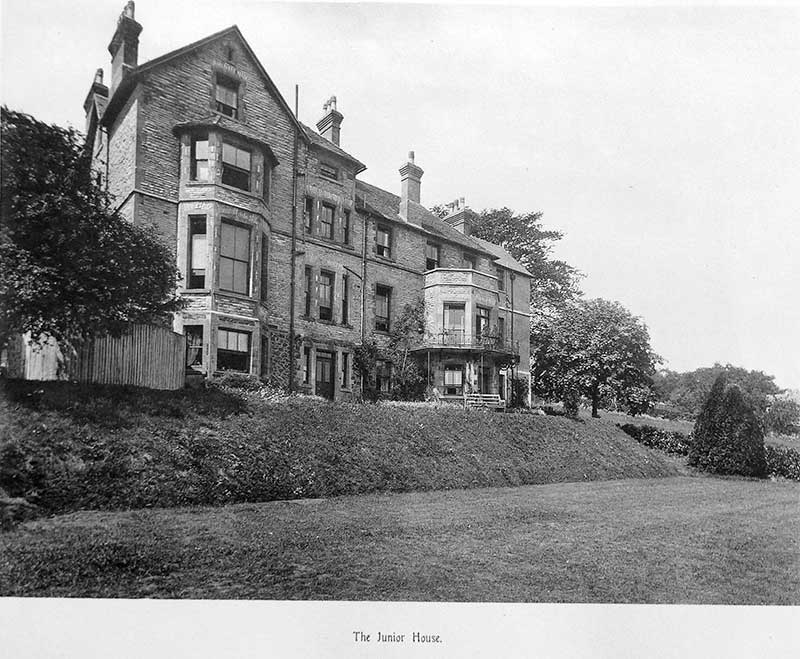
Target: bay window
[236,167]
[234,258]
[233,350]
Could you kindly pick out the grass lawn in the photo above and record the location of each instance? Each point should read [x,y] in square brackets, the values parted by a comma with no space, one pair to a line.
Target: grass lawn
[695,540]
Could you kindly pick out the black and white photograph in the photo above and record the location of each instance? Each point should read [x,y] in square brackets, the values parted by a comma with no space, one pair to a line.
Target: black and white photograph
[385,330]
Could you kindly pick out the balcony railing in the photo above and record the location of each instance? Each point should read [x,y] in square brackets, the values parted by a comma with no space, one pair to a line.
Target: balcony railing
[459,338]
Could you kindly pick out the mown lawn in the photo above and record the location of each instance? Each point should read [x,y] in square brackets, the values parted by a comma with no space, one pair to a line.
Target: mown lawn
[669,540]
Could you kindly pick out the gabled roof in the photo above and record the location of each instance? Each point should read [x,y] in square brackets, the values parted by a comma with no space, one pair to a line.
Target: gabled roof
[317,140]
[227,125]
[502,256]
[128,82]
[387,205]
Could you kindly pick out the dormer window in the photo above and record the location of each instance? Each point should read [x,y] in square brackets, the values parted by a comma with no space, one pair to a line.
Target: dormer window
[235,167]
[470,261]
[431,256]
[226,93]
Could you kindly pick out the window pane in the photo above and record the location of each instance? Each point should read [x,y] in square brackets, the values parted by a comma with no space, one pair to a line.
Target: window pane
[228,240]
[243,159]
[242,244]
[240,277]
[228,154]
[198,252]
[226,274]
[201,149]
[201,170]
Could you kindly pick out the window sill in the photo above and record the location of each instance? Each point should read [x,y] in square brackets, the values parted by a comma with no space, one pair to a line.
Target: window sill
[387,259]
[196,291]
[234,294]
[231,188]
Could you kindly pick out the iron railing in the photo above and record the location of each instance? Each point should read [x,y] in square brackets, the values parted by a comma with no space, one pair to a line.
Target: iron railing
[459,338]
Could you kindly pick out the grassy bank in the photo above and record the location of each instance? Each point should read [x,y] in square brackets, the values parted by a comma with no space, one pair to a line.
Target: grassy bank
[67,448]
[671,540]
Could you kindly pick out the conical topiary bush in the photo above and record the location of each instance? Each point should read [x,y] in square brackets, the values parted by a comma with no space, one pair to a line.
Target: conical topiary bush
[728,438]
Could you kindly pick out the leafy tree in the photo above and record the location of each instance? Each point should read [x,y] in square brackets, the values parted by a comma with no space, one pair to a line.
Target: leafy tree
[593,348]
[783,416]
[365,357]
[728,438]
[687,392]
[408,379]
[69,267]
[555,282]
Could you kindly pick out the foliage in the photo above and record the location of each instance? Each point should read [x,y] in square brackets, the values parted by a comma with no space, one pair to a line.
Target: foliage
[685,393]
[519,393]
[658,438]
[69,267]
[593,348]
[782,461]
[70,447]
[408,330]
[365,357]
[783,417]
[554,282]
[728,438]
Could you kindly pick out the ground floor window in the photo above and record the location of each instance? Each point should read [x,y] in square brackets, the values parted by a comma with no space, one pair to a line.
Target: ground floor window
[345,370]
[264,355]
[194,344]
[233,350]
[383,376]
[306,365]
[453,380]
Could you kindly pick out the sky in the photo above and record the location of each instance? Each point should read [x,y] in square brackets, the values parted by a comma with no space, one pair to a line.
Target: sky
[663,142]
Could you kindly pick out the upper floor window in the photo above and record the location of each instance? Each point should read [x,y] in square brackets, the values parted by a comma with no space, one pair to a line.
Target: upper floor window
[470,261]
[308,214]
[325,295]
[345,299]
[307,292]
[198,254]
[346,228]
[264,266]
[481,321]
[383,302]
[235,166]
[501,279]
[329,171]
[226,93]
[199,159]
[454,318]
[234,258]
[501,328]
[326,221]
[431,256]
[383,239]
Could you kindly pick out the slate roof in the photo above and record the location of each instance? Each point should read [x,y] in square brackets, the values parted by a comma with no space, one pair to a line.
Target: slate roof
[387,205]
[317,140]
[502,257]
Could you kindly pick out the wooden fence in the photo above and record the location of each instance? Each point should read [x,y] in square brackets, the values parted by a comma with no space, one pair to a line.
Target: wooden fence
[145,356]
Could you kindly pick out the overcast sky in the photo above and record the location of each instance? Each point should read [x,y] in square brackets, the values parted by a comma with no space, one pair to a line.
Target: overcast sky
[663,142]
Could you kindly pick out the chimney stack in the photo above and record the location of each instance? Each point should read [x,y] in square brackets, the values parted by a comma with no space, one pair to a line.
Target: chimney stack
[124,46]
[97,88]
[330,126]
[410,184]
[459,216]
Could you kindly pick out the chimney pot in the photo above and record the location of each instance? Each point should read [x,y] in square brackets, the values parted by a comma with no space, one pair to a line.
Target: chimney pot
[130,9]
[410,185]
[98,76]
[330,126]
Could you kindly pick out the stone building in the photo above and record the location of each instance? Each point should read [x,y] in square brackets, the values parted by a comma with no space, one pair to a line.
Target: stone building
[289,261]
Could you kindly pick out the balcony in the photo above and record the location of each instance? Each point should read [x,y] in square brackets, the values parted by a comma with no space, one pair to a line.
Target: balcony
[460,277]
[460,339]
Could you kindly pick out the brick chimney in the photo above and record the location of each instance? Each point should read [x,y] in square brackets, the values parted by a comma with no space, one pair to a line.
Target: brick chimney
[410,184]
[97,88]
[124,46]
[459,216]
[330,126]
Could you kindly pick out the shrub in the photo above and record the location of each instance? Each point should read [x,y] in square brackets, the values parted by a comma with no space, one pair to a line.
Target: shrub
[728,438]
[519,392]
[782,461]
[663,440]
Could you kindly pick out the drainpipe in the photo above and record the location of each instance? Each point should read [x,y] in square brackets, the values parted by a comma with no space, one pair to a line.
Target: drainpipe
[364,282]
[511,338]
[293,260]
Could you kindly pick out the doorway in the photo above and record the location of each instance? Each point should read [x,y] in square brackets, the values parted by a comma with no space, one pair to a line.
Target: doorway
[324,379]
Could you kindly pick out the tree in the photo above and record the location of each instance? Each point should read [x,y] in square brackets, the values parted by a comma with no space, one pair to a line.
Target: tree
[687,392]
[69,267]
[593,348]
[728,438]
[783,417]
[555,282]
[408,379]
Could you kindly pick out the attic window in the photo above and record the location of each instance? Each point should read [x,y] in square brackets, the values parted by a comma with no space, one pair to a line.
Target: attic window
[329,171]
[229,52]
[226,93]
